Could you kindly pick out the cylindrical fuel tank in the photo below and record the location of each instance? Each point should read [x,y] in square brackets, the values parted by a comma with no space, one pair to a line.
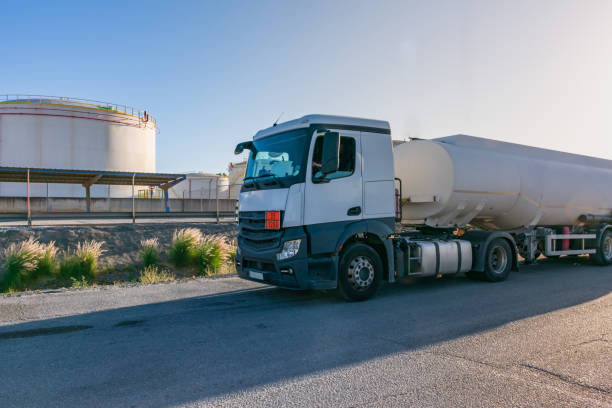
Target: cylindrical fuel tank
[460,180]
[74,134]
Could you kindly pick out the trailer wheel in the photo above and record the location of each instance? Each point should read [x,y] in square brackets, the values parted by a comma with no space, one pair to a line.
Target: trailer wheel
[359,272]
[603,256]
[498,260]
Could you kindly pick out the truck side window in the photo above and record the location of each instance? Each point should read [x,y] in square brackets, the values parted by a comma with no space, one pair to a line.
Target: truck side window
[347,158]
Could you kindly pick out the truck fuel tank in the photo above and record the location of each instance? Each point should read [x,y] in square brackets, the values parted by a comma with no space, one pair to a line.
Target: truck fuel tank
[432,257]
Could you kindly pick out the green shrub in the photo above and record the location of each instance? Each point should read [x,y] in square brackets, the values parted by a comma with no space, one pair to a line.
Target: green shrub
[207,257]
[84,261]
[150,252]
[183,244]
[79,283]
[151,274]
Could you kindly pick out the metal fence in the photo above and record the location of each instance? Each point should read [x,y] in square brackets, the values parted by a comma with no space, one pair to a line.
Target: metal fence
[76,102]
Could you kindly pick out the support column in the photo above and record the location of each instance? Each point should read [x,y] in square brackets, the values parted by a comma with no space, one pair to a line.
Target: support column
[217,197]
[166,200]
[88,198]
[133,200]
[29,209]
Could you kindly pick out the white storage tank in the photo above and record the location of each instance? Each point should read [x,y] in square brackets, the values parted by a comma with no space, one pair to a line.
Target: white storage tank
[69,133]
[456,180]
[202,186]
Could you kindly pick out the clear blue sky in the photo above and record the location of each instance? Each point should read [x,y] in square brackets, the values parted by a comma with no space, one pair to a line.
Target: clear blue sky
[534,72]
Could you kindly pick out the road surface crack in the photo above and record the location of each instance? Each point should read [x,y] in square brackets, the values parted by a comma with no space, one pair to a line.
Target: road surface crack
[566,379]
[460,357]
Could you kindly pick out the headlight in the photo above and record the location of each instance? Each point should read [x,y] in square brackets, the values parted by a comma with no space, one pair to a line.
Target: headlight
[290,249]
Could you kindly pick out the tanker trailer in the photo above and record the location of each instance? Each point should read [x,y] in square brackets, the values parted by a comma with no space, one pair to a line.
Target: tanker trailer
[552,203]
[328,202]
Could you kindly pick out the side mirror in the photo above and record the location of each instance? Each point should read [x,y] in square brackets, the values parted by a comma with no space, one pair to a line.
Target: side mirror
[244,145]
[331,152]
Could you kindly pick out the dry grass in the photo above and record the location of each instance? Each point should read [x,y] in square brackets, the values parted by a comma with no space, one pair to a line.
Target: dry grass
[152,274]
[150,243]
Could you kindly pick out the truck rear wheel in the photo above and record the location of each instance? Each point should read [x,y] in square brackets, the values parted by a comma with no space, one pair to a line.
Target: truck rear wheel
[359,272]
[603,256]
[498,260]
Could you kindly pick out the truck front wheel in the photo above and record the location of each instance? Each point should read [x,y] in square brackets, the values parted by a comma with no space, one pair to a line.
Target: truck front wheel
[359,272]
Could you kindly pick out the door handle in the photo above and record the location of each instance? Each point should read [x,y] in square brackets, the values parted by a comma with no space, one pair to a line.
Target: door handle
[354,211]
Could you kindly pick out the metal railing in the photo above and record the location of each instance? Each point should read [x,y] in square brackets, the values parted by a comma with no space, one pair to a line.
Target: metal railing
[150,194]
[77,102]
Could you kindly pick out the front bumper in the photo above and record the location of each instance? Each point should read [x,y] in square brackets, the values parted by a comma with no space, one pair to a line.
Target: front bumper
[306,272]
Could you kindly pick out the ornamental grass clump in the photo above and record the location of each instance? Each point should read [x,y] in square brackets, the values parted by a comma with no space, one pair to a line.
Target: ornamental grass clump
[20,263]
[149,253]
[25,262]
[184,242]
[47,262]
[210,253]
[83,262]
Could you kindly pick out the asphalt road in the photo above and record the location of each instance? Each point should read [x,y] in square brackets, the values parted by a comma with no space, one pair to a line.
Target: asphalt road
[542,338]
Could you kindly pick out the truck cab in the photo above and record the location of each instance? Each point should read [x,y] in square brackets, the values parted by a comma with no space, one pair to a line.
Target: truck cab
[318,197]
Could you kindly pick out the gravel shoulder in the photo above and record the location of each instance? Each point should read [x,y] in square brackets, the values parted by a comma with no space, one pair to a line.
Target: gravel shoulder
[32,306]
[121,242]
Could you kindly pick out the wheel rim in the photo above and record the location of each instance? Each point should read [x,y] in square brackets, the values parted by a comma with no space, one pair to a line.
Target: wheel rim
[499,259]
[361,273]
[607,246]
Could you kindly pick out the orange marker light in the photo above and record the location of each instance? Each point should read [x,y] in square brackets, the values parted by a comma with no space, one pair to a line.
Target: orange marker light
[273,220]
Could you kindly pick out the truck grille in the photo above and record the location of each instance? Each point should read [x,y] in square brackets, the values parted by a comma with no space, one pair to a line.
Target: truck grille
[253,232]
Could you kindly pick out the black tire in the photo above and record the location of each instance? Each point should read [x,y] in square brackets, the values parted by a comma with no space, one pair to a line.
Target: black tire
[603,256]
[498,260]
[364,260]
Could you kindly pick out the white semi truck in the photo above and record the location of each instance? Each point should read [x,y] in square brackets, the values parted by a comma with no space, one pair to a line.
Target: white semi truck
[328,202]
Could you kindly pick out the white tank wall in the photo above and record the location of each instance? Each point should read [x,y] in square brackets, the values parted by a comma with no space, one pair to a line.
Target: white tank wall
[197,187]
[64,137]
[498,185]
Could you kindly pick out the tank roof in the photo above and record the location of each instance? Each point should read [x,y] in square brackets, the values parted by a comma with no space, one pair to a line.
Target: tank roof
[76,103]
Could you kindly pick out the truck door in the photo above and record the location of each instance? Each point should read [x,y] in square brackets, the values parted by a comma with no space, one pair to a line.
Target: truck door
[339,197]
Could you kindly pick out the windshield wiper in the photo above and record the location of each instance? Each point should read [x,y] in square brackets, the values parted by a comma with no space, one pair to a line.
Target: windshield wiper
[275,178]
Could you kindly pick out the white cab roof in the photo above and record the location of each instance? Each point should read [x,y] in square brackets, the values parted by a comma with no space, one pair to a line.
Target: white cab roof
[327,120]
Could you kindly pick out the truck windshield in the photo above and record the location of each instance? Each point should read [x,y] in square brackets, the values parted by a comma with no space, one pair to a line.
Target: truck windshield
[281,156]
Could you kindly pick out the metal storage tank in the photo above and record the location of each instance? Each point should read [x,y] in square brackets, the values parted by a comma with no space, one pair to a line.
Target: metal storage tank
[461,179]
[69,133]
[202,186]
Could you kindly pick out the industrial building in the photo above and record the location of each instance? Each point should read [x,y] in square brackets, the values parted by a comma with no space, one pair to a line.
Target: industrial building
[72,156]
